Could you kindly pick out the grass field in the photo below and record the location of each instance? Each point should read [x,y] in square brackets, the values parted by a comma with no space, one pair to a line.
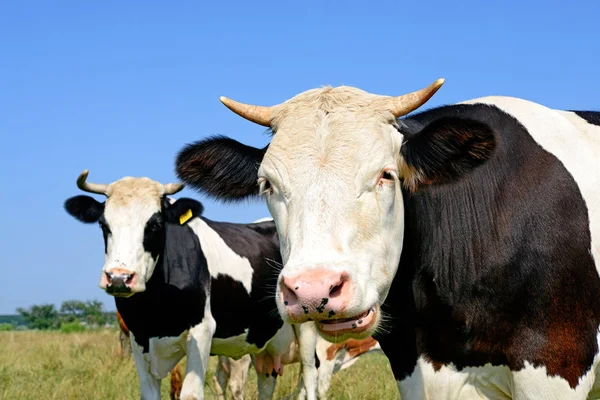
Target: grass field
[52,365]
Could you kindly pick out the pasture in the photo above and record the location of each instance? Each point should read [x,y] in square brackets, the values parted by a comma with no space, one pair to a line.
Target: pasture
[88,365]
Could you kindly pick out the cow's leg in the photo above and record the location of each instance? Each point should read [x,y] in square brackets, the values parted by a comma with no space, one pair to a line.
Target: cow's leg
[125,346]
[307,343]
[198,353]
[222,377]
[176,382]
[266,385]
[149,385]
[238,373]
[325,372]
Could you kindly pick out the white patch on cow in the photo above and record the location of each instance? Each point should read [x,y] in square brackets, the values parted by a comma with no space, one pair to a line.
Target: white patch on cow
[571,140]
[198,353]
[221,258]
[149,384]
[496,382]
[164,353]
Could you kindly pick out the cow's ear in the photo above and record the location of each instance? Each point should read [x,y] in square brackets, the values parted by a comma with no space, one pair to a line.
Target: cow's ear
[220,167]
[182,210]
[84,208]
[444,150]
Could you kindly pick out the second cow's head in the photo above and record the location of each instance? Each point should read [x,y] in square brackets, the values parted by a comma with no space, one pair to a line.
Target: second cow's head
[133,221]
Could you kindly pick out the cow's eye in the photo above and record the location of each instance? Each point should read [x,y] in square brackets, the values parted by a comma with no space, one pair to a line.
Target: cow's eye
[264,186]
[387,177]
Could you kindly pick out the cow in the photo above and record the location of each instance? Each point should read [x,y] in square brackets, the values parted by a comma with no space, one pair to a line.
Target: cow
[474,227]
[189,286]
[124,341]
[330,359]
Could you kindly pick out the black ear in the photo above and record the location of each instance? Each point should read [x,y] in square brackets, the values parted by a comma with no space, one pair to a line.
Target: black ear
[182,210]
[220,167]
[444,150]
[84,208]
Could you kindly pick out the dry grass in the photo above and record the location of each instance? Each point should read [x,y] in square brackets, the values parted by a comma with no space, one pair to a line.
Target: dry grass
[51,365]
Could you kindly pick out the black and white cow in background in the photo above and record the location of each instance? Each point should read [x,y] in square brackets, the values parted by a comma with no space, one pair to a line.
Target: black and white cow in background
[186,285]
[477,223]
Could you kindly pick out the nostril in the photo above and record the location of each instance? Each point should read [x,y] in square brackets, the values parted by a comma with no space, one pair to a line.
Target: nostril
[288,292]
[336,289]
[129,278]
[108,277]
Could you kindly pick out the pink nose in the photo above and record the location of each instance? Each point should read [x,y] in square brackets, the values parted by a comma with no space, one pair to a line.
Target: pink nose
[118,281]
[315,294]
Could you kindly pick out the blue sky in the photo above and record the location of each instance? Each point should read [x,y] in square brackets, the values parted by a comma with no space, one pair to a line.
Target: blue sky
[119,87]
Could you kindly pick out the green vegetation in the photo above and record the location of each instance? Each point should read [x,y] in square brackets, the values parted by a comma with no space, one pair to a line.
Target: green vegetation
[6,327]
[87,314]
[72,327]
[43,365]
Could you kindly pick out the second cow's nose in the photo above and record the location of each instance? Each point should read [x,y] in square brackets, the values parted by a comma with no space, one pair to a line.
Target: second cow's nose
[119,280]
[315,294]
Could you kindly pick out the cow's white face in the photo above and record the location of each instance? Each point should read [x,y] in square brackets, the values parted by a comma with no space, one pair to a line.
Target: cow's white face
[133,228]
[331,182]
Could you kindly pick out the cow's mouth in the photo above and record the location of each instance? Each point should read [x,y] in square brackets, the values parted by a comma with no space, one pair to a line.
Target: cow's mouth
[349,326]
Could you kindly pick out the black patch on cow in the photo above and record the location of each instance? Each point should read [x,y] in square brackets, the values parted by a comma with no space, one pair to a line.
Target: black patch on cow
[592,117]
[259,243]
[317,361]
[220,167]
[231,306]
[154,235]
[445,149]
[175,295]
[84,208]
[496,266]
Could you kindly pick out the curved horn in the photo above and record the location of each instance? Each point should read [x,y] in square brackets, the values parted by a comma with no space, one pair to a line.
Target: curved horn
[99,188]
[172,188]
[258,114]
[404,104]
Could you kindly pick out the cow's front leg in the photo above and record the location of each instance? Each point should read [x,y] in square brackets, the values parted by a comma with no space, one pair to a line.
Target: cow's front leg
[221,377]
[307,343]
[149,385]
[238,374]
[198,352]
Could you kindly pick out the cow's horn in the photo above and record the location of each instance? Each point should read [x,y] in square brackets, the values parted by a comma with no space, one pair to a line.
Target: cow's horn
[258,114]
[172,188]
[99,188]
[404,104]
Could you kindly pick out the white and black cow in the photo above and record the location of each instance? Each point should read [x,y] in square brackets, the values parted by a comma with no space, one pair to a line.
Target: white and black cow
[185,285]
[477,223]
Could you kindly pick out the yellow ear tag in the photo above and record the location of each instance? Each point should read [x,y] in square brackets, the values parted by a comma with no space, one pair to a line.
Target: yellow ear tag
[185,217]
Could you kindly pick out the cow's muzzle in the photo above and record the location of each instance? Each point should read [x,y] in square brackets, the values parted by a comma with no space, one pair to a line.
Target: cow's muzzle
[118,282]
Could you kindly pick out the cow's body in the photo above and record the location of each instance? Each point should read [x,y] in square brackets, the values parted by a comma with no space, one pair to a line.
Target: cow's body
[497,290]
[206,292]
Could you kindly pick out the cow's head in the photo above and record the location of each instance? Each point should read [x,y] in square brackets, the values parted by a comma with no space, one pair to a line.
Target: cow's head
[332,178]
[132,220]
